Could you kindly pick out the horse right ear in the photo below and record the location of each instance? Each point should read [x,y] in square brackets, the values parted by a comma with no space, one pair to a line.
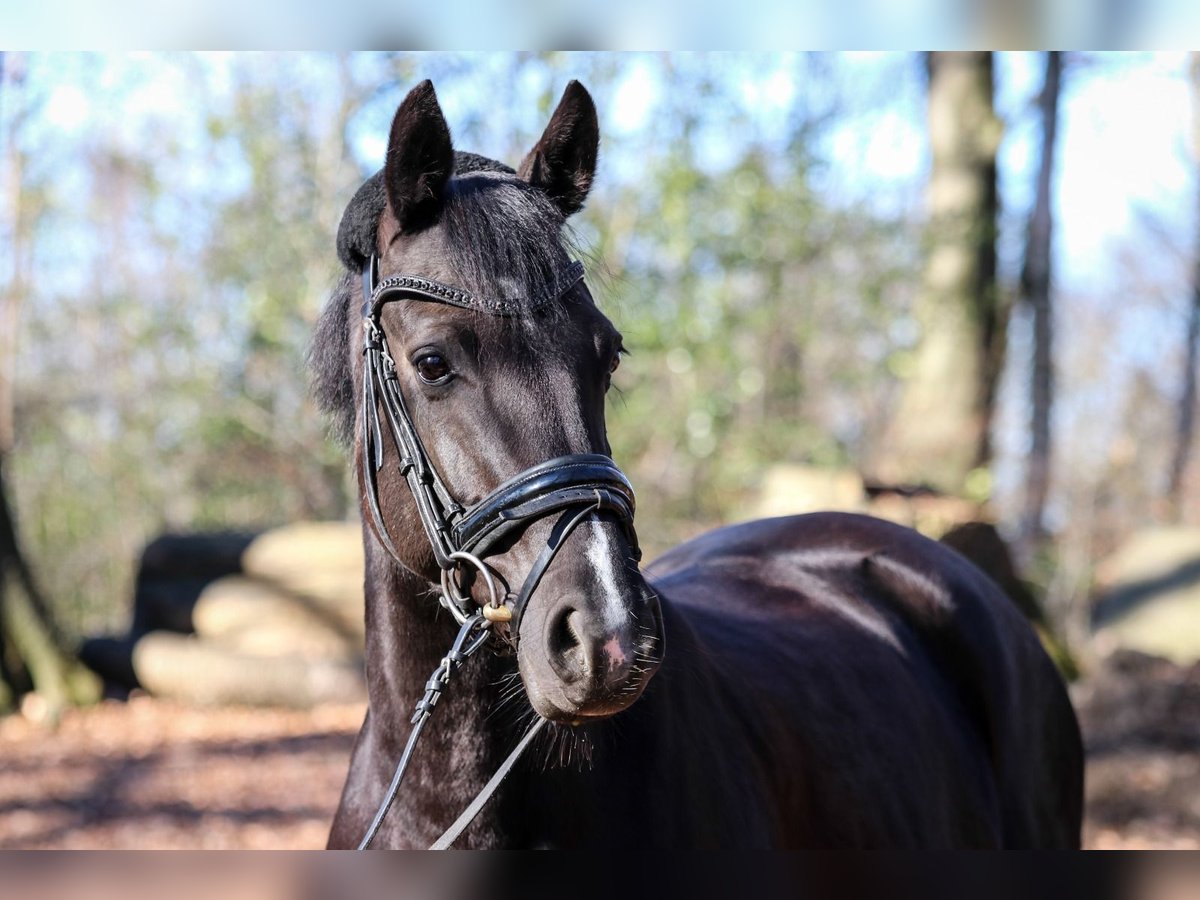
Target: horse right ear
[420,159]
[563,162]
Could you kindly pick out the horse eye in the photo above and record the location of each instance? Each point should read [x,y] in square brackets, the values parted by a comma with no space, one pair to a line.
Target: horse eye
[615,364]
[433,368]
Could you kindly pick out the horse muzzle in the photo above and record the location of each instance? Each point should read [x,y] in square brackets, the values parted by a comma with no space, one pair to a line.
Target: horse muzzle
[586,653]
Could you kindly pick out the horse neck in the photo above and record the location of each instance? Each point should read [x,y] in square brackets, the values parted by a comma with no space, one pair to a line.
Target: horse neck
[408,634]
[406,637]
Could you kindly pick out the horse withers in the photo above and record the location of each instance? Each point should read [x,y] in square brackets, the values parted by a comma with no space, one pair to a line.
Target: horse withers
[828,680]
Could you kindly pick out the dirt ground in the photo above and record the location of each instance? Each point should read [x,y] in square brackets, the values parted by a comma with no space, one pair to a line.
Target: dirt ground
[1141,722]
[149,774]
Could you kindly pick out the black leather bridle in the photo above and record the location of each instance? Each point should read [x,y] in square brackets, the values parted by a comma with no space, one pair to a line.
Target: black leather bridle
[574,486]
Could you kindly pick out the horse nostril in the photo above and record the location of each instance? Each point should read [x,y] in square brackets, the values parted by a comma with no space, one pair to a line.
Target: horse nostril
[566,649]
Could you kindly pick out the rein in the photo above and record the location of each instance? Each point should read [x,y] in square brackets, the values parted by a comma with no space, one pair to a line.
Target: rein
[575,487]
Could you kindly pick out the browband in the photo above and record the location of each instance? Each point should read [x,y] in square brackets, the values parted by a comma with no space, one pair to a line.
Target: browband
[376,293]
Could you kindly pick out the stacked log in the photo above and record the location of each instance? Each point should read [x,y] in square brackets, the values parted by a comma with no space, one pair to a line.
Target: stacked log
[205,672]
[790,489]
[258,616]
[174,569]
[274,619]
[1148,595]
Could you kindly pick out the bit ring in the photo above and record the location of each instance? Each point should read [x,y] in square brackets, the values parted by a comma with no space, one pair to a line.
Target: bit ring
[455,600]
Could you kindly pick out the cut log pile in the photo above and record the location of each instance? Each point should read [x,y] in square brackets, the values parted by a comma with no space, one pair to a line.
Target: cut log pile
[273,619]
[1148,595]
[789,489]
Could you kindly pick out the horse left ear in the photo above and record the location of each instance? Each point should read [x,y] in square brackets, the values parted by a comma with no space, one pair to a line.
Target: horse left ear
[563,162]
[420,159]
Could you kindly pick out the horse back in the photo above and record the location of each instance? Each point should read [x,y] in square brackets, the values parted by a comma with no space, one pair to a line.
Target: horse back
[906,670]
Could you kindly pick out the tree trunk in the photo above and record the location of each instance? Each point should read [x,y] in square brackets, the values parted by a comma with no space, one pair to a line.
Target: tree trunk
[1186,422]
[29,630]
[939,434]
[1036,292]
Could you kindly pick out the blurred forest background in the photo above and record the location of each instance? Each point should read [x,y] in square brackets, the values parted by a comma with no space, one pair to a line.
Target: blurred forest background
[886,265]
[940,288]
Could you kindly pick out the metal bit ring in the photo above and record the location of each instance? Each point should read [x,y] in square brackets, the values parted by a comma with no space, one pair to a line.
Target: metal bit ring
[459,603]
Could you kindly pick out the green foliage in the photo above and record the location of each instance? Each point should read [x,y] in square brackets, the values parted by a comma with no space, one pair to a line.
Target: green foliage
[756,336]
[758,311]
[177,397]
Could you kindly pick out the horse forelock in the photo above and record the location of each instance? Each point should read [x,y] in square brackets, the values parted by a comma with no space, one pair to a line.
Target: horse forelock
[360,221]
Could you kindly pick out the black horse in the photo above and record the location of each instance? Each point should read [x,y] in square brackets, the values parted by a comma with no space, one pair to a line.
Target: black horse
[823,680]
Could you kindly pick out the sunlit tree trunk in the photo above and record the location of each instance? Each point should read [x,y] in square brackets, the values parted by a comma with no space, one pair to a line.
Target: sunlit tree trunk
[1186,422]
[1036,292]
[939,435]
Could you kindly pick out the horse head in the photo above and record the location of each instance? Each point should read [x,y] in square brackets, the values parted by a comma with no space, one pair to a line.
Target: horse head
[496,363]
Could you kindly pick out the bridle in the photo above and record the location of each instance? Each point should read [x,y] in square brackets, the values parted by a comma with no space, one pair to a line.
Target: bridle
[576,487]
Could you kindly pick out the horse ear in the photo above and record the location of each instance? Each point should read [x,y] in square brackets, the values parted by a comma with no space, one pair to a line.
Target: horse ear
[563,162]
[420,159]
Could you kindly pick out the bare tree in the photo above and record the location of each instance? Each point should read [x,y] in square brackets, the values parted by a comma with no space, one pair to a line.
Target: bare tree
[1036,292]
[940,431]
[1186,422]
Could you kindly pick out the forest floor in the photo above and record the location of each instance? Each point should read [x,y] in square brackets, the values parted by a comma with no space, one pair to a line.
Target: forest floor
[1141,723]
[153,774]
